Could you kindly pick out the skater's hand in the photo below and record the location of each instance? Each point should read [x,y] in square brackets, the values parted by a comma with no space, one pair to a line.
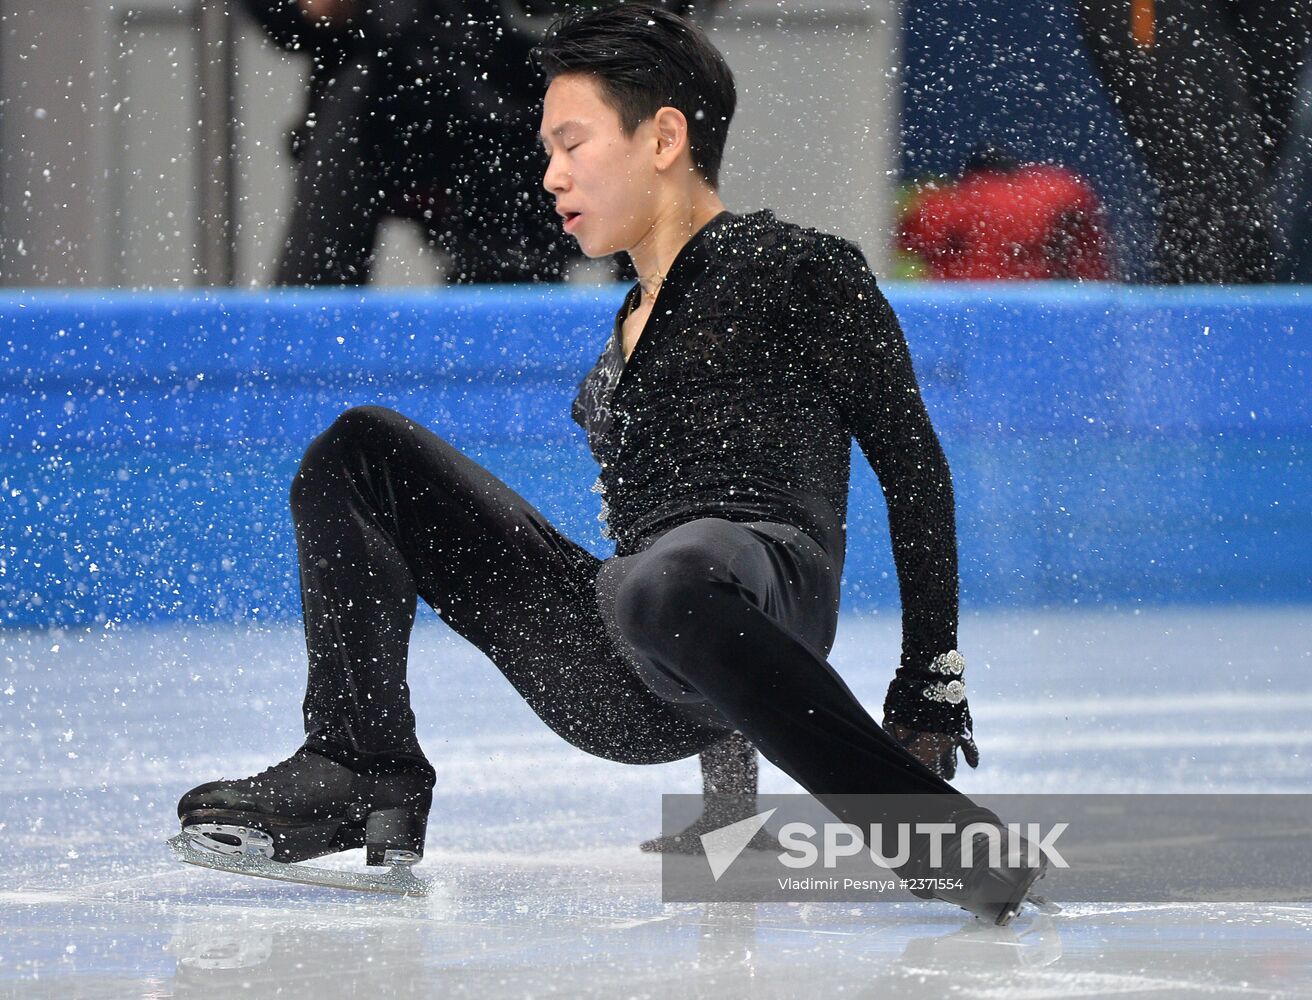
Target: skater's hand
[937,751]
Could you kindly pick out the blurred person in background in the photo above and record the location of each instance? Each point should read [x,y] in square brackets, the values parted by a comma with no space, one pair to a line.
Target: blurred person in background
[1004,219]
[421,109]
[1293,187]
[1206,89]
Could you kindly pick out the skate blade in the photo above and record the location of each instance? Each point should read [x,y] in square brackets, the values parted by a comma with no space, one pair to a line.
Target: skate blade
[1042,903]
[1025,895]
[398,880]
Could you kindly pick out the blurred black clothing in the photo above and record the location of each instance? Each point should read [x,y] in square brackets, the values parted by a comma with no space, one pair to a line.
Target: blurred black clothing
[1209,103]
[427,110]
[769,347]
[429,59]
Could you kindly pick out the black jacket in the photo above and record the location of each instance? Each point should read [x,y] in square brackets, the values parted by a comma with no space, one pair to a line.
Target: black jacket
[430,60]
[769,347]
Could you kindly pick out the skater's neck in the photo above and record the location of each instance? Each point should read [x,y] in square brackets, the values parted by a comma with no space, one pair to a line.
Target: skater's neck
[674,225]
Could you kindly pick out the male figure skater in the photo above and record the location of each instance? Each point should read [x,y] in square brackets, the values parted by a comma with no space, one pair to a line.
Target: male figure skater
[721,411]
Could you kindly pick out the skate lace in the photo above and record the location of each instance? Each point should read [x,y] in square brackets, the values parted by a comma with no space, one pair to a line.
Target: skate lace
[296,758]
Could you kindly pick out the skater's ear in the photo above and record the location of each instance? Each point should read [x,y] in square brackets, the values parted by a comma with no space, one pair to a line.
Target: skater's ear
[670,134]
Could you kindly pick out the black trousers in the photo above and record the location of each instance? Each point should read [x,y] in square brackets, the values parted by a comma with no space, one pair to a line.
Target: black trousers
[712,626]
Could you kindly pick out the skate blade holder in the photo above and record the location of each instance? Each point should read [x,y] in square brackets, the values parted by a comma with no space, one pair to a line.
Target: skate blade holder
[229,840]
[195,847]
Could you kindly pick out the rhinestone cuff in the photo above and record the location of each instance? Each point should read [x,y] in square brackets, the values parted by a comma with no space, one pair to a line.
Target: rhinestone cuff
[950,663]
[953,692]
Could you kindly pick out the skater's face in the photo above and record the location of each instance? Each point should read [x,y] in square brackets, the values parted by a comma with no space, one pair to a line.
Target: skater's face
[612,180]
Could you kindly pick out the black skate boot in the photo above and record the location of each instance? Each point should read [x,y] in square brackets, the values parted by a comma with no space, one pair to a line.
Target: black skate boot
[311,805]
[991,893]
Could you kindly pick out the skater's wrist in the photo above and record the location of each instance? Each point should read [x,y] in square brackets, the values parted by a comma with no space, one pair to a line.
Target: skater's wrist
[931,697]
[909,710]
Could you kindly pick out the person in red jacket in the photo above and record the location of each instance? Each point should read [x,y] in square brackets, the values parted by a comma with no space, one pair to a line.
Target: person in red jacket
[1004,219]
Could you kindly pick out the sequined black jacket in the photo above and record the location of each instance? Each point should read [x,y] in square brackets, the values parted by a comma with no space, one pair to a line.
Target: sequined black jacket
[769,347]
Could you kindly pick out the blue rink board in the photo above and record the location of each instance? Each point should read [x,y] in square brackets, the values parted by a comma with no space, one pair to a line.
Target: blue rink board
[1109,445]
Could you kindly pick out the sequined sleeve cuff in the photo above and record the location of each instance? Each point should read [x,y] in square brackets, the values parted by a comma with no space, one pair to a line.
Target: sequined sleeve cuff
[931,700]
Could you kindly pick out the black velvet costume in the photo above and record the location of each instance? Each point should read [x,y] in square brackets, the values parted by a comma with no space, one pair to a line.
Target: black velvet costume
[725,447]
[769,348]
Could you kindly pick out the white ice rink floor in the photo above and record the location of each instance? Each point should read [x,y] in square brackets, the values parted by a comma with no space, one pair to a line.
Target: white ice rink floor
[543,891]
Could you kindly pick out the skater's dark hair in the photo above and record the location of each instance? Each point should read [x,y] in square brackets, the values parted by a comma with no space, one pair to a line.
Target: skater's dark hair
[644,58]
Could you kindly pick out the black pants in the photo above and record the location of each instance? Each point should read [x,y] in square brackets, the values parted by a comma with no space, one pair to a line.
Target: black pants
[712,626]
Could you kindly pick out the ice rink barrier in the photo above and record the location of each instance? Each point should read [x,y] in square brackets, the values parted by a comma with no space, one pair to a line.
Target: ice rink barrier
[1110,445]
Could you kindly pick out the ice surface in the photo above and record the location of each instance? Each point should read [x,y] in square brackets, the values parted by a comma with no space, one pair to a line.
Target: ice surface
[542,890]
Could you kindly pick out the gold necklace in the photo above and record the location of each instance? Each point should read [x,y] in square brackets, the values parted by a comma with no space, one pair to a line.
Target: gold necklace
[659,279]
